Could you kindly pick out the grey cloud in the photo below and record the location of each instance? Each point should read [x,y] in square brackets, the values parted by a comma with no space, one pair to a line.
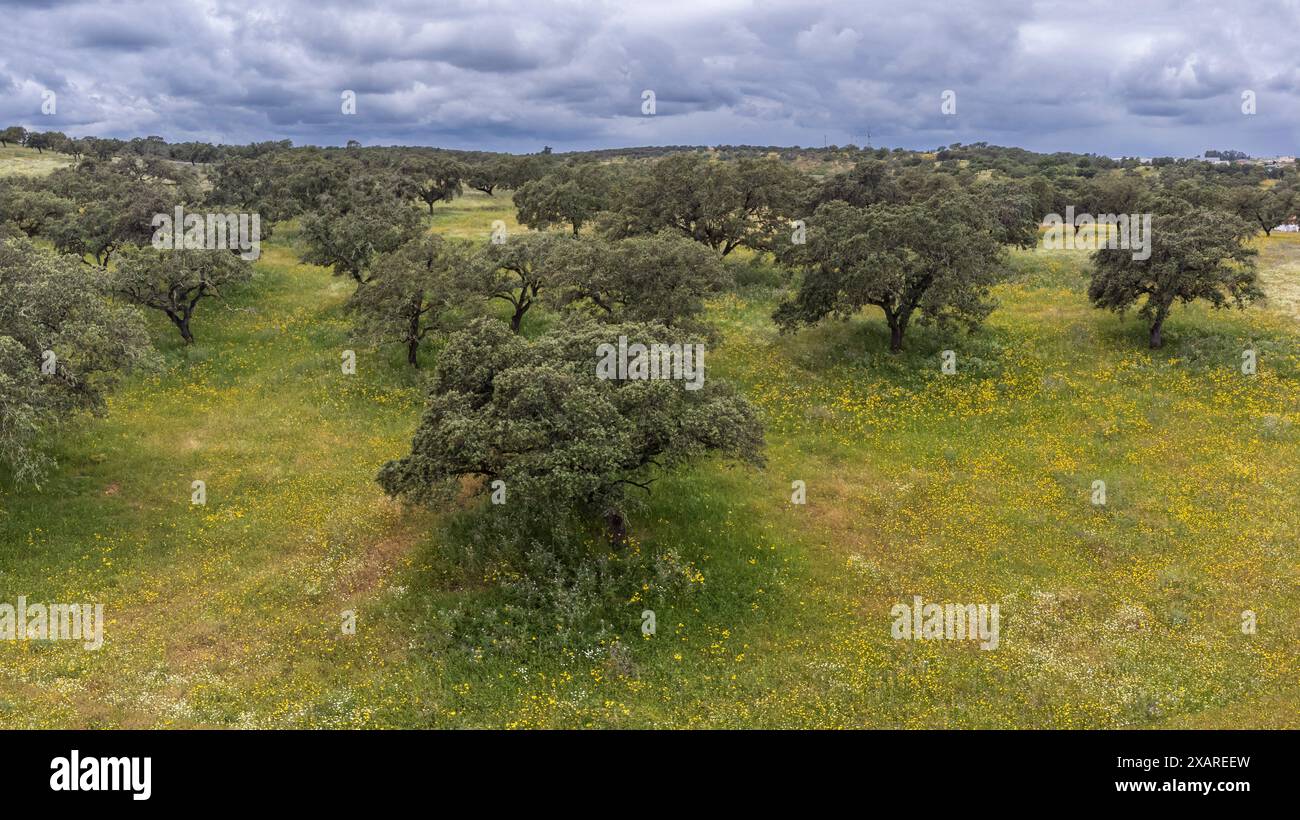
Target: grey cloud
[1160,77]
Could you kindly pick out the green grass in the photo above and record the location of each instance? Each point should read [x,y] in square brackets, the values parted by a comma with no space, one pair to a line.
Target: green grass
[14,159]
[970,488]
[471,216]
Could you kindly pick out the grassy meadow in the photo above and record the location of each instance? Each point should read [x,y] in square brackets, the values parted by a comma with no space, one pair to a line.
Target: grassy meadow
[15,159]
[972,487]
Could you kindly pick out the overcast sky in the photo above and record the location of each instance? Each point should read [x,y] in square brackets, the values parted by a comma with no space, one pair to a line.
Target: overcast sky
[1134,78]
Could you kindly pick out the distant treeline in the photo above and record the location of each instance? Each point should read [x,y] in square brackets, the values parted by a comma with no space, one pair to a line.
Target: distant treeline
[979,156]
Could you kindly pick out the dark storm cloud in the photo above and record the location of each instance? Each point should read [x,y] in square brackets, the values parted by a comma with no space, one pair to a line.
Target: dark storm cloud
[116,34]
[1150,78]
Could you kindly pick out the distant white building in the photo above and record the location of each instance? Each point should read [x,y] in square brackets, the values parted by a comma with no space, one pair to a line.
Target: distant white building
[1292,225]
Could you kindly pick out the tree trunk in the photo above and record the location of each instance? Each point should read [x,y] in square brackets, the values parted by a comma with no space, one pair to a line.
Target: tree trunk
[1157,326]
[518,318]
[895,338]
[413,338]
[183,325]
[616,528]
[898,322]
[897,326]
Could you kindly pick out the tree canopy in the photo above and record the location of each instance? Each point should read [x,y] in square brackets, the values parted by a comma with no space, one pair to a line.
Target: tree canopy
[515,271]
[175,281]
[661,277]
[1199,254]
[349,229]
[413,290]
[63,343]
[571,195]
[534,414]
[935,260]
[721,204]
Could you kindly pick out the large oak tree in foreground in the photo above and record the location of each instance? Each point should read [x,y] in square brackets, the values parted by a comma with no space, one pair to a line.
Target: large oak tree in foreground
[935,260]
[534,414]
[1197,254]
[55,312]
